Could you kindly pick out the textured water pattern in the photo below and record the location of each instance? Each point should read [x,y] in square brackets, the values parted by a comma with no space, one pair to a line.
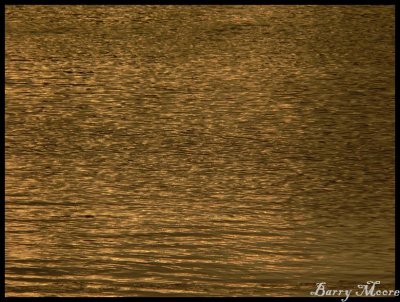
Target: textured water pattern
[198,150]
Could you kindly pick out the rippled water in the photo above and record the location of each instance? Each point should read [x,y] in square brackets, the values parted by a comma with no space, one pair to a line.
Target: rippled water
[198,150]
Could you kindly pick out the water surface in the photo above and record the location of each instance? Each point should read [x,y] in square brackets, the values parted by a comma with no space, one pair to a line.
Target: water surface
[198,150]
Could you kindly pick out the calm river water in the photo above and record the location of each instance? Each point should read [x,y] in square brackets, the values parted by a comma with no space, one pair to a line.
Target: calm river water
[198,150]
